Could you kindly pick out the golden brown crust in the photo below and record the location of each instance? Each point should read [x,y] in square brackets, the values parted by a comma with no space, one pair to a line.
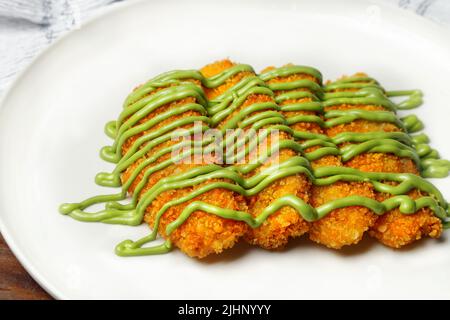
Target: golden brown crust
[396,230]
[217,67]
[285,223]
[345,226]
[393,229]
[203,234]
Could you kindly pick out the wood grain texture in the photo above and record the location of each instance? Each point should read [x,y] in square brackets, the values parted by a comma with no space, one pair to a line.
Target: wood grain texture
[15,282]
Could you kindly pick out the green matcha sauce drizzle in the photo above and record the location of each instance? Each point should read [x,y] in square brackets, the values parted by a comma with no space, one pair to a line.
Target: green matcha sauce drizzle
[220,113]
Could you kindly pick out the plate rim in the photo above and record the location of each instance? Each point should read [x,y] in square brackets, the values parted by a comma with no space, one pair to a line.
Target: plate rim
[26,263]
[14,248]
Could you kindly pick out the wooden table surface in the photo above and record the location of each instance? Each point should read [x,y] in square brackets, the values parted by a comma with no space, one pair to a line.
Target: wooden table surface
[15,282]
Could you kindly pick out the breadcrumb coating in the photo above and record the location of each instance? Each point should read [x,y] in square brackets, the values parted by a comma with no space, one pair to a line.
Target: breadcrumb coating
[202,234]
[216,68]
[345,226]
[393,229]
[285,223]
[396,230]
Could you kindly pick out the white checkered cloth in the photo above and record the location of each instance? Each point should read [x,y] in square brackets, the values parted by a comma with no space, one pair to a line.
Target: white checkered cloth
[28,26]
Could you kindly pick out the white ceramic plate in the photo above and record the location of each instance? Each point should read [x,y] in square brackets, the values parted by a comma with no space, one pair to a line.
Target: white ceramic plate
[51,129]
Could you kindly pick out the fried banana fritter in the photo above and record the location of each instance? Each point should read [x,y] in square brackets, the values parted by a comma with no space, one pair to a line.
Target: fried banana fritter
[393,228]
[286,223]
[202,234]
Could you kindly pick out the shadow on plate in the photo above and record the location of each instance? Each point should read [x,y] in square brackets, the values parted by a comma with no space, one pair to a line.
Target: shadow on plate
[239,250]
[303,243]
